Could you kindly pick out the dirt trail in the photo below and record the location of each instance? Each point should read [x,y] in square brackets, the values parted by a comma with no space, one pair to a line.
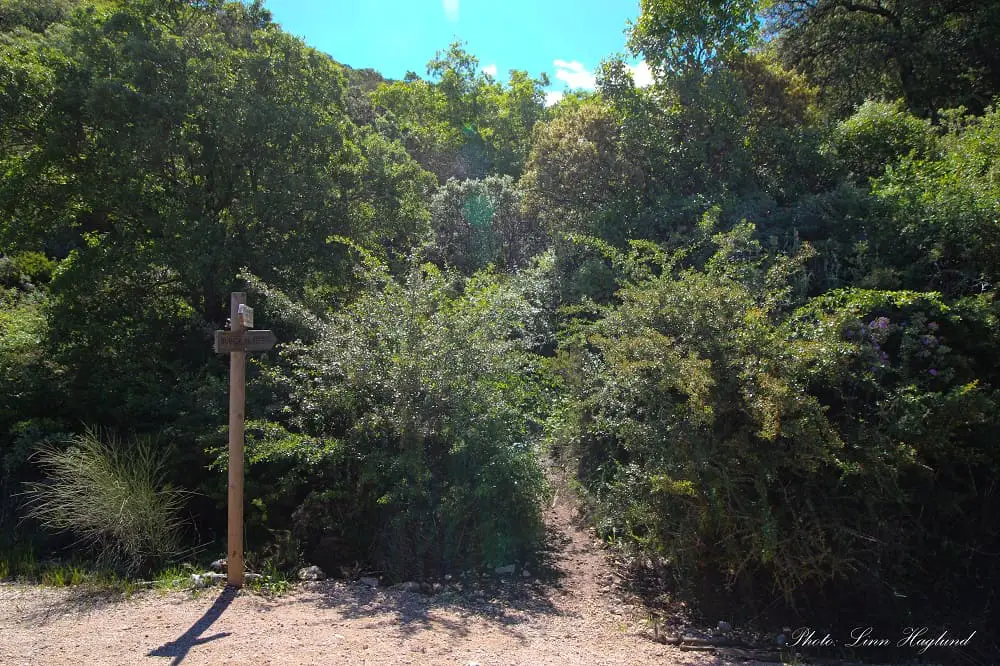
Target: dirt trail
[566,614]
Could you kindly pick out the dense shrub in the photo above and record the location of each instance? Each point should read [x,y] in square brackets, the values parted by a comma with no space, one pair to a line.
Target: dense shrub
[847,440]
[408,438]
[879,134]
[25,380]
[939,228]
[910,382]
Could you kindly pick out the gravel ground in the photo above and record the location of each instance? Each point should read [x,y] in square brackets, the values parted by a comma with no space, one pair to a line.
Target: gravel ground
[568,614]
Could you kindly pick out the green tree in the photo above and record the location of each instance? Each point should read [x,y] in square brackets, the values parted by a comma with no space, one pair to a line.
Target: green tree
[878,135]
[457,75]
[415,111]
[932,53]
[462,123]
[34,15]
[682,36]
[509,115]
[577,168]
[155,149]
[480,222]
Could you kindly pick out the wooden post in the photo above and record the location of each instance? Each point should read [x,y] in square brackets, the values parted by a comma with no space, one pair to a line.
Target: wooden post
[237,407]
[236,342]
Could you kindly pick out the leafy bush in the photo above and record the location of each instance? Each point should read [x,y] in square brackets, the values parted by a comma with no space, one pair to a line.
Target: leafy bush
[850,439]
[685,418]
[112,499]
[25,270]
[879,134]
[408,435]
[939,224]
[23,326]
[26,379]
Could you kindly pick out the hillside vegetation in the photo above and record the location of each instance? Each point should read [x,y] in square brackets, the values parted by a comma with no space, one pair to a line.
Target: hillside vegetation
[752,306]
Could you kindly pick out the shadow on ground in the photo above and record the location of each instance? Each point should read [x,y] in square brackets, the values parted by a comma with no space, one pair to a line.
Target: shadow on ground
[72,600]
[179,648]
[505,601]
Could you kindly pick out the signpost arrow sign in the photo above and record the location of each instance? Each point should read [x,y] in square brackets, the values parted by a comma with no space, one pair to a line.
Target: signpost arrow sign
[245,341]
[237,342]
[255,340]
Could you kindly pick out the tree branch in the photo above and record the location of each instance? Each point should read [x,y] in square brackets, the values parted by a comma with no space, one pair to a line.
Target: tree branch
[868,9]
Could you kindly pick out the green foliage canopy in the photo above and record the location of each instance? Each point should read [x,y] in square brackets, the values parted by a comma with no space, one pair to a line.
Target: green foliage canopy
[932,53]
[415,406]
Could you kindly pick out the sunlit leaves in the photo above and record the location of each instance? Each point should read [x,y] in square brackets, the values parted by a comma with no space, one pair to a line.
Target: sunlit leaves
[427,383]
[681,36]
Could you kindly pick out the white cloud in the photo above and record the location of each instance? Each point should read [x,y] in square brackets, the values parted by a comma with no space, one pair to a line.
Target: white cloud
[641,74]
[491,70]
[575,75]
[553,97]
[450,9]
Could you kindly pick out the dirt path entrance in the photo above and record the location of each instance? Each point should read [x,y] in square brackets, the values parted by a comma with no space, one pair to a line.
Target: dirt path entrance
[567,615]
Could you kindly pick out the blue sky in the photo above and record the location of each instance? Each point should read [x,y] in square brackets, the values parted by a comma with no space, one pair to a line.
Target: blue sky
[564,38]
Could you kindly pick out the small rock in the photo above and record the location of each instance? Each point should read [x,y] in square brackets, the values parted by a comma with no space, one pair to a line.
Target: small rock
[218,565]
[369,581]
[526,574]
[253,576]
[312,573]
[207,579]
[506,570]
[447,576]
[724,627]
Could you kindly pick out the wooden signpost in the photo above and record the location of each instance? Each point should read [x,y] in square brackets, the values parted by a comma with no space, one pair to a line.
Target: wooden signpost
[237,341]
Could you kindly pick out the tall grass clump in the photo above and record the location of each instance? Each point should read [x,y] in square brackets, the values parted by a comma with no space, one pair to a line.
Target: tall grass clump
[114,499]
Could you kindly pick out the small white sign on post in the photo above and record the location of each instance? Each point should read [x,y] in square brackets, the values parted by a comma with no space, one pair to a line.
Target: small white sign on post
[237,342]
[246,316]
